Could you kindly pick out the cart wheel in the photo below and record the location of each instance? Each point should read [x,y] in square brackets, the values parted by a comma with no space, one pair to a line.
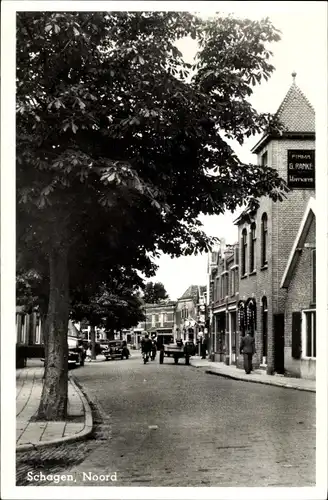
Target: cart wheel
[187,360]
[161,357]
[176,360]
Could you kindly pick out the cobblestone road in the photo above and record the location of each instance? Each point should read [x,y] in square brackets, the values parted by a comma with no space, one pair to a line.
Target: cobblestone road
[167,425]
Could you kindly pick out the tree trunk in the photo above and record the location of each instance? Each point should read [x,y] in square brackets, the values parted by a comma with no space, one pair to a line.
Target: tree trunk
[53,405]
[93,342]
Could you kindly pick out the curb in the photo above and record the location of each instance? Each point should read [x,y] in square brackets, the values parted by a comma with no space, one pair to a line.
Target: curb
[264,382]
[88,426]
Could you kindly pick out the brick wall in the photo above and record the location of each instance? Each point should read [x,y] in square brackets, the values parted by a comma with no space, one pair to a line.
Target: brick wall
[299,297]
[283,222]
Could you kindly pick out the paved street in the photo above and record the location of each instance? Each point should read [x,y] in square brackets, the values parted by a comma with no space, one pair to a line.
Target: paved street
[167,425]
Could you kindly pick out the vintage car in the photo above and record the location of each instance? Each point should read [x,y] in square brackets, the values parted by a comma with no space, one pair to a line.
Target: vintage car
[76,352]
[116,349]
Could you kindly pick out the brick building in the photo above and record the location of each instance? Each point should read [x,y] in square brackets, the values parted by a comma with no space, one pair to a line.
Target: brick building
[299,280]
[160,319]
[189,318]
[267,236]
[224,279]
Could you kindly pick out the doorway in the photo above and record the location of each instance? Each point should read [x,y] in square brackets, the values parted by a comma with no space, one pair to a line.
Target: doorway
[279,342]
[264,330]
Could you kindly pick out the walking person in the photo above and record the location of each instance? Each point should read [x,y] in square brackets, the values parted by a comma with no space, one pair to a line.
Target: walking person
[247,348]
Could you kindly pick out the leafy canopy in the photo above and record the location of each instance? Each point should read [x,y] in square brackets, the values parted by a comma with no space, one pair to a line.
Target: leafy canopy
[120,141]
[154,293]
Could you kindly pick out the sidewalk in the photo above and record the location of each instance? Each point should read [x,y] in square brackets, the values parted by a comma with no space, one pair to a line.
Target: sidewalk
[31,434]
[257,376]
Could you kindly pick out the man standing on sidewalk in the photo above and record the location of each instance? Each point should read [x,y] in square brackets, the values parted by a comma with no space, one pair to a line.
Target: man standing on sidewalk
[247,348]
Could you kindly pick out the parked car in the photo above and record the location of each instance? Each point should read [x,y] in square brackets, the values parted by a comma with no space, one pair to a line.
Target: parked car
[76,351]
[116,349]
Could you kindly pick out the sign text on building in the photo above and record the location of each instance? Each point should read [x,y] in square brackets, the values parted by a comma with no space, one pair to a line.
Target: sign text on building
[301,171]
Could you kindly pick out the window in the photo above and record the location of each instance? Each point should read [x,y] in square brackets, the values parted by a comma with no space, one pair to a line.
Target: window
[244,251]
[216,290]
[236,255]
[309,334]
[233,282]
[264,159]
[252,249]
[313,262]
[185,312]
[264,238]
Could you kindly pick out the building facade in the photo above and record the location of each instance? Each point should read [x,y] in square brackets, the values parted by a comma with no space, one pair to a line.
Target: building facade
[160,319]
[28,327]
[190,314]
[224,279]
[299,280]
[266,237]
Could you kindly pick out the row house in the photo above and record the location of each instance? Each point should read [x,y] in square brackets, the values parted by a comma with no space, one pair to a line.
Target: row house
[160,319]
[299,280]
[190,314]
[224,279]
[266,284]
[266,236]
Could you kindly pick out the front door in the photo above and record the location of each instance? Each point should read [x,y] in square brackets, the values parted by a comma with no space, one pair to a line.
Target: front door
[233,337]
[279,342]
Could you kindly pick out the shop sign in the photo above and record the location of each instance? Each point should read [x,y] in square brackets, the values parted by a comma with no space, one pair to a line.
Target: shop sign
[301,169]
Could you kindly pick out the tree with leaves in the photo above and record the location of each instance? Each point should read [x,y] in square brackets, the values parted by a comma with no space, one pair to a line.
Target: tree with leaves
[120,141]
[116,305]
[154,293]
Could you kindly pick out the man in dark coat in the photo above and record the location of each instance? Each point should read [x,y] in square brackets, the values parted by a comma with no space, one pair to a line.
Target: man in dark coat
[247,348]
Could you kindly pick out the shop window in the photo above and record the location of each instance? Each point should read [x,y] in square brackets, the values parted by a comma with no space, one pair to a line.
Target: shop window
[309,334]
[264,238]
[252,248]
[243,251]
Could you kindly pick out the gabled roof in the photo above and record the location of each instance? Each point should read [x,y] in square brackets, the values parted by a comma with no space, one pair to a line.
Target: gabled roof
[308,217]
[296,113]
[190,293]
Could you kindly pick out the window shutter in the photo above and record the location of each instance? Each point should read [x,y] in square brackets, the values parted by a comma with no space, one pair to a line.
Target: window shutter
[296,335]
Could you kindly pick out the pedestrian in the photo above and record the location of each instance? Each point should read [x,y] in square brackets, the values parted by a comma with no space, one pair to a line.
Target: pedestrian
[88,353]
[247,348]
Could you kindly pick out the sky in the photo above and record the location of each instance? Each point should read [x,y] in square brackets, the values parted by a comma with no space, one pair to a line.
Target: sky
[303,27]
